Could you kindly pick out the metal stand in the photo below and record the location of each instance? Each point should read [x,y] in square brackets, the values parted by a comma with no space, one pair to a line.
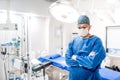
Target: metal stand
[4,52]
[42,66]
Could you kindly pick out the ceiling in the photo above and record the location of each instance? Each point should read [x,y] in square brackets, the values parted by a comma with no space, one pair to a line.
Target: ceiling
[103,9]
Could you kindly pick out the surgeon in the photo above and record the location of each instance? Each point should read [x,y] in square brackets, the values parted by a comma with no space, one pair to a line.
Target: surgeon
[85,53]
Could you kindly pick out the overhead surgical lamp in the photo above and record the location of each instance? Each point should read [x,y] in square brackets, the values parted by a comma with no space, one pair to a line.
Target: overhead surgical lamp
[63,11]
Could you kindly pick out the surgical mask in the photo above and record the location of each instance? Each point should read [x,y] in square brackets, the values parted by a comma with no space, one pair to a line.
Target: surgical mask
[83,32]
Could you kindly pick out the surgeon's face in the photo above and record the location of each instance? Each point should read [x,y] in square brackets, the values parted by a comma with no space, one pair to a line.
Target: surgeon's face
[83,29]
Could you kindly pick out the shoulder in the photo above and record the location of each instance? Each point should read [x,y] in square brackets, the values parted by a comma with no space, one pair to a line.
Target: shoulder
[97,40]
[75,38]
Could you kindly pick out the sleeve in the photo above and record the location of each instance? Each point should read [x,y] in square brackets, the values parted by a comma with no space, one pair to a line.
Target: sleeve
[68,55]
[93,61]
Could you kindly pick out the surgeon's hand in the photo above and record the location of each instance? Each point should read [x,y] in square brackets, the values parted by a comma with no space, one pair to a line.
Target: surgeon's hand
[74,57]
[92,53]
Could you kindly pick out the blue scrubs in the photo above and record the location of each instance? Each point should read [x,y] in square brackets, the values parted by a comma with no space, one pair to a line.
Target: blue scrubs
[85,67]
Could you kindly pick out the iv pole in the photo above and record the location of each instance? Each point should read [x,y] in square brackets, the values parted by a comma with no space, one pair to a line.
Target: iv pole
[28,57]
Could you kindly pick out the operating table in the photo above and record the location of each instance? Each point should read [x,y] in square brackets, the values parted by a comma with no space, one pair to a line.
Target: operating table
[59,61]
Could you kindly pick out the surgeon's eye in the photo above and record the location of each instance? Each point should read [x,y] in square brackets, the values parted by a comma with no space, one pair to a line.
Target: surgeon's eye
[82,27]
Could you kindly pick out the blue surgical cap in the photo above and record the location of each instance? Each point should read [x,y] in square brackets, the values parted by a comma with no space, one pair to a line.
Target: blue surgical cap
[83,19]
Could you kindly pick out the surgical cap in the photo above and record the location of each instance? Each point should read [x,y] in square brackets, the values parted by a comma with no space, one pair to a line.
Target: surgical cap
[83,19]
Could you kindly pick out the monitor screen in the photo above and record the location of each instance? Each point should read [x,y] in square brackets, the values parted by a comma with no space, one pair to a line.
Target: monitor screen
[113,39]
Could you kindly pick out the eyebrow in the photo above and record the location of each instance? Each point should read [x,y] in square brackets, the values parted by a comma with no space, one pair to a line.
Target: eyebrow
[82,27]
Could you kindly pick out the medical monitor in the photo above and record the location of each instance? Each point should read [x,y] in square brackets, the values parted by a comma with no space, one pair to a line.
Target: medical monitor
[113,40]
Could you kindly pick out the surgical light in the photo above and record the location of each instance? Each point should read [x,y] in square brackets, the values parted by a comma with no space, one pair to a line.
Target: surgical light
[63,11]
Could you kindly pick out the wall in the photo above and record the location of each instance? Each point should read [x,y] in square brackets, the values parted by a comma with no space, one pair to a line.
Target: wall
[38,33]
[60,35]
[29,6]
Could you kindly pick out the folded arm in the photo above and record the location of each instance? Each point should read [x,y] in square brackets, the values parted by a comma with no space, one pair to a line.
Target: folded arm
[68,56]
[93,59]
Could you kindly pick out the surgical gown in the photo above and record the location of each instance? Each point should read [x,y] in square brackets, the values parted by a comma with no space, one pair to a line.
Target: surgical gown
[85,67]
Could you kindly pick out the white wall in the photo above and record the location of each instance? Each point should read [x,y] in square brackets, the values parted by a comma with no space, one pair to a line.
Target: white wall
[65,30]
[29,6]
[38,33]
[54,36]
